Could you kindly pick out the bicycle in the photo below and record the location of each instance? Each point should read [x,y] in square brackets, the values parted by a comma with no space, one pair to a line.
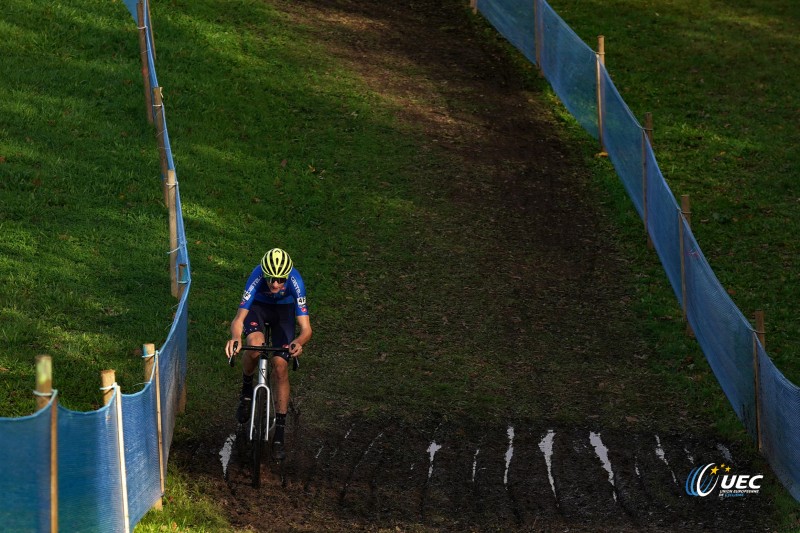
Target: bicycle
[262,406]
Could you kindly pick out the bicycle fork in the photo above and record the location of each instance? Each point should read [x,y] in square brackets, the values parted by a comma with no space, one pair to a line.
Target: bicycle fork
[262,383]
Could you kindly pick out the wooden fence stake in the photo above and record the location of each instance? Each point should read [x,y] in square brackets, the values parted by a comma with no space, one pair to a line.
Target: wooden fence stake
[182,400]
[173,231]
[474,5]
[183,278]
[158,110]
[686,213]
[44,381]
[107,379]
[109,385]
[151,371]
[148,101]
[761,336]
[123,474]
[601,60]
[647,136]
[44,389]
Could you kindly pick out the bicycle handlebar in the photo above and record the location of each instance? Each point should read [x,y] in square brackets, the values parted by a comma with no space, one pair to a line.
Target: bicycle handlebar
[262,349]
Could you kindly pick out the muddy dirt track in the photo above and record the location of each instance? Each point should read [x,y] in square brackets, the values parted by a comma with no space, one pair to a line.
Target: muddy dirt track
[448,473]
[445,477]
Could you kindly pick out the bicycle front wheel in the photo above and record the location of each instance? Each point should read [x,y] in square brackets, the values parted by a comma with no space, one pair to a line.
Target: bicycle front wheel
[259,434]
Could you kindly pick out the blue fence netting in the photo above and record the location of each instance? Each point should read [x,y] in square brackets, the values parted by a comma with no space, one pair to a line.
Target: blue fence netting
[728,340]
[109,473]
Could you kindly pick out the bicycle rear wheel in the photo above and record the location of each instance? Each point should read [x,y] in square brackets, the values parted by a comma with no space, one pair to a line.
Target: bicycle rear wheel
[259,435]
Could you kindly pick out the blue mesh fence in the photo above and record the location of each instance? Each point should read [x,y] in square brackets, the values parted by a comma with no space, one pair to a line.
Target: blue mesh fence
[91,492]
[89,470]
[722,331]
[570,67]
[513,20]
[779,403]
[622,139]
[663,221]
[25,479]
[139,417]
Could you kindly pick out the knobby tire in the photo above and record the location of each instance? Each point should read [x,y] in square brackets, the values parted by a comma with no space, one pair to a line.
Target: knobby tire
[259,431]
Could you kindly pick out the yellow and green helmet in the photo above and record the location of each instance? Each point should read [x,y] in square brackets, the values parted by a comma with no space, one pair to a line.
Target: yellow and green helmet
[276,263]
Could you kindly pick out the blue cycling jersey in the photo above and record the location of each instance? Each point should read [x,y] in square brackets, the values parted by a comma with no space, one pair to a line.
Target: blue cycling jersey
[257,289]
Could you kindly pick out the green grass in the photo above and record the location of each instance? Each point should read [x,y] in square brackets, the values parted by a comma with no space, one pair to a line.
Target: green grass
[276,144]
[719,79]
[82,237]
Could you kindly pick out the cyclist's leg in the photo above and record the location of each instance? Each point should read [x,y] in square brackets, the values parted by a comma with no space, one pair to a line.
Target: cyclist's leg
[254,329]
[254,336]
[282,334]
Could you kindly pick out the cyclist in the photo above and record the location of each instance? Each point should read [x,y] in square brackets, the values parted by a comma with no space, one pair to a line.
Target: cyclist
[274,295]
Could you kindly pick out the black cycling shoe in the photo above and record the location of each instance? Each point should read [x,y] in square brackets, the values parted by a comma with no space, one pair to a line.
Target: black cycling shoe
[278,451]
[243,410]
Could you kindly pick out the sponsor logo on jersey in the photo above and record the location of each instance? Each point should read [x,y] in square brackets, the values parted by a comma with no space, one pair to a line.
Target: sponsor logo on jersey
[301,301]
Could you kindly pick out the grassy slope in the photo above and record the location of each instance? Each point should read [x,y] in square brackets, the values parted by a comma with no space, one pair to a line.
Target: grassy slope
[82,242]
[719,78]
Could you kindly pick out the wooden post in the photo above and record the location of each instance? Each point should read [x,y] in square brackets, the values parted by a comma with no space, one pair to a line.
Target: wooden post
[109,386]
[107,379]
[760,331]
[151,372]
[686,213]
[148,101]
[183,279]
[44,381]
[474,5]
[601,60]
[44,390]
[759,334]
[182,400]
[158,110]
[123,474]
[647,136]
[173,231]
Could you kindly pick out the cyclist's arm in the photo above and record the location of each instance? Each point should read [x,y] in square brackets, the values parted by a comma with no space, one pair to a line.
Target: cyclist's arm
[305,335]
[237,326]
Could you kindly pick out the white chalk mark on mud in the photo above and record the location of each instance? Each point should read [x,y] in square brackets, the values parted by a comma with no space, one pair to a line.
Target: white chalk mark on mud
[432,449]
[661,455]
[509,453]
[546,445]
[726,453]
[602,452]
[225,453]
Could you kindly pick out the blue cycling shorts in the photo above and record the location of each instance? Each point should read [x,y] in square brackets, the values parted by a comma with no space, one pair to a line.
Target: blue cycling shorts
[274,320]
